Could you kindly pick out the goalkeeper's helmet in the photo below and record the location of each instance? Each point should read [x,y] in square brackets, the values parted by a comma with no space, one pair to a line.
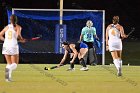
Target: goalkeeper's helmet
[89,23]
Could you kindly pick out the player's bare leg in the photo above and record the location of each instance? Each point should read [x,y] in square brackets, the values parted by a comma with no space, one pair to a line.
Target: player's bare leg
[116,61]
[7,69]
[71,68]
[8,72]
[120,61]
[82,58]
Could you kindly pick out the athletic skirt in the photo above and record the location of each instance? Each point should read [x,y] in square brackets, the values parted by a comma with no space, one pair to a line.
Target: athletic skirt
[115,45]
[10,50]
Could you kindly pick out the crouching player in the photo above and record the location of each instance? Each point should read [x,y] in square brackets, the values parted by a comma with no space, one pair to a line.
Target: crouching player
[77,49]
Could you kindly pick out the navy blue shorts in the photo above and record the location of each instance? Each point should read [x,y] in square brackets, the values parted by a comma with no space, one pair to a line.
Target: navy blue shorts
[83,45]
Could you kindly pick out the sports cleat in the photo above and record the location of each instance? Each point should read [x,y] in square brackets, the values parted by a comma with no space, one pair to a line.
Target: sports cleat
[119,74]
[84,69]
[70,69]
[8,80]
[87,68]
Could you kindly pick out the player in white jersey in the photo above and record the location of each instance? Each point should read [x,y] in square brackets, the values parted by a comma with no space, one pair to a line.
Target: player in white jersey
[114,35]
[10,49]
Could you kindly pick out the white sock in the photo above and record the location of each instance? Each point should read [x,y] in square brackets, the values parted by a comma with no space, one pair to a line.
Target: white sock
[13,66]
[117,63]
[10,73]
[120,62]
[8,66]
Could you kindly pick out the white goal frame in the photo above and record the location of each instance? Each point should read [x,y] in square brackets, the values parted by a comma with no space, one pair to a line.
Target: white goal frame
[103,30]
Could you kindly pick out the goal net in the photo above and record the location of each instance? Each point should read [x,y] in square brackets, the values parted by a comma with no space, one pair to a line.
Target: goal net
[42,23]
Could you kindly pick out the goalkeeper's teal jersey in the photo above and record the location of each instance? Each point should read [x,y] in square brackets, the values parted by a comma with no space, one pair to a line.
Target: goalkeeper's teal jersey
[88,34]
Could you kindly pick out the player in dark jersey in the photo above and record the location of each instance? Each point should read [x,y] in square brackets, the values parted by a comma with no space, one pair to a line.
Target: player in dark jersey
[77,49]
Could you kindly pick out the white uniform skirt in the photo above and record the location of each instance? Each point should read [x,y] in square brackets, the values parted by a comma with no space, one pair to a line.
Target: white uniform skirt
[10,50]
[115,45]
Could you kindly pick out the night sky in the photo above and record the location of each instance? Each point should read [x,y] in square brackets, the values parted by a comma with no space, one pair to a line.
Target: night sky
[127,10]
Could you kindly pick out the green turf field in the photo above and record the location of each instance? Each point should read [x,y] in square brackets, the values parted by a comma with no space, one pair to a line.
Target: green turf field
[31,78]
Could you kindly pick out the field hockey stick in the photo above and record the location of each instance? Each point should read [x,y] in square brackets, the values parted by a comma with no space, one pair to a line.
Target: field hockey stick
[98,43]
[53,67]
[133,29]
[32,39]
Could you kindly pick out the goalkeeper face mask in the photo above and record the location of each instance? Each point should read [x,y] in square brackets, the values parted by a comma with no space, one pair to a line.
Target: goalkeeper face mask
[89,23]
